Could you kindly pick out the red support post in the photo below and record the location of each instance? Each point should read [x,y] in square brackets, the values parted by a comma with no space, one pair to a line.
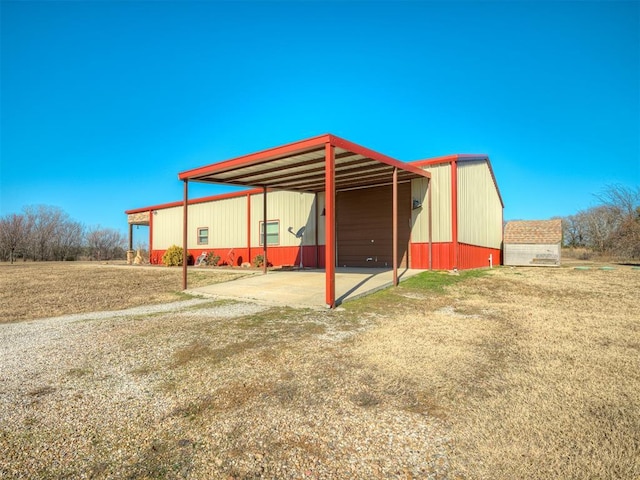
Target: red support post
[395,226]
[151,212]
[316,229]
[264,230]
[429,189]
[248,227]
[184,234]
[454,213]
[329,231]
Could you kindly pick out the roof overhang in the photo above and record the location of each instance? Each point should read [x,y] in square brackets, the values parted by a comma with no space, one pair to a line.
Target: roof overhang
[300,166]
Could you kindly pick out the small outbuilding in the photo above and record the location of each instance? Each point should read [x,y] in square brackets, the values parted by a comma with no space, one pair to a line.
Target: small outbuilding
[533,243]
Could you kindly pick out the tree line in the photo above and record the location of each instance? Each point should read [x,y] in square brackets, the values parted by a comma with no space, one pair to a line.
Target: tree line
[612,227]
[43,232]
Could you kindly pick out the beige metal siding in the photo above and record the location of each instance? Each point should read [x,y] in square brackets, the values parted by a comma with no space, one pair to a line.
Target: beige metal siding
[167,228]
[321,221]
[440,205]
[225,219]
[291,209]
[479,207]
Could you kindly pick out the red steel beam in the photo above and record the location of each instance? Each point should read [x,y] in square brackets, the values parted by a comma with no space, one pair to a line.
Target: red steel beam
[264,230]
[430,225]
[248,227]
[258,157]
[454,213]
[329,231]
[184,234]
[395,226]
[150,233]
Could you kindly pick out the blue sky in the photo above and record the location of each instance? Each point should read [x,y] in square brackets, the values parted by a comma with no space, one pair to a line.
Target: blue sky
[103,103]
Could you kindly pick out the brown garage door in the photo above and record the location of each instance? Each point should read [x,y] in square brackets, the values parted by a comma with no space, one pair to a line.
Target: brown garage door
[364,229]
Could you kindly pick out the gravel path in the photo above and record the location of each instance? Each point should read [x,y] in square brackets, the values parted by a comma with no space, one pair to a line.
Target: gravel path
[203,389]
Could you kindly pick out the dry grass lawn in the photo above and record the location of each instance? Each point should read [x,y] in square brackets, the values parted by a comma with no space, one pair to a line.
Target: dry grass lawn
[515,373]
[47,289]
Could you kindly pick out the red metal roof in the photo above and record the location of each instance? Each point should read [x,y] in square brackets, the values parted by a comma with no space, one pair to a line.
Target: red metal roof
[299,166]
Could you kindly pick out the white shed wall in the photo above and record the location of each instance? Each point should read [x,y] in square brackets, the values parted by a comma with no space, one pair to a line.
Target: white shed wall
[532,254]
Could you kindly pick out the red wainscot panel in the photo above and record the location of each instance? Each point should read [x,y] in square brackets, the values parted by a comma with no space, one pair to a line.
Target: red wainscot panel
[419,255]
[473,256]
[277,256]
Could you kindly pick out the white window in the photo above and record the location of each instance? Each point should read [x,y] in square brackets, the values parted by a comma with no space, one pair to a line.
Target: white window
[273,232]
[203,236]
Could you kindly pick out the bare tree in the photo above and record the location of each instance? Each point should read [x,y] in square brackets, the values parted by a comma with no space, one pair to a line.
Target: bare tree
[612,227]
[624,199]
[573,231]
[14,230]
[67,240]
[44,220]
[105,243]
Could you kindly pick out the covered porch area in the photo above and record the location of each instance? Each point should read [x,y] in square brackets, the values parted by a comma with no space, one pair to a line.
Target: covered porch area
[304,288]
[326,164]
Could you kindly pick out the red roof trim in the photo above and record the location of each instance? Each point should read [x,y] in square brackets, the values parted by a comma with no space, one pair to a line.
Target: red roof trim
[212,198]
[257,157]
[379,157]
[294,148]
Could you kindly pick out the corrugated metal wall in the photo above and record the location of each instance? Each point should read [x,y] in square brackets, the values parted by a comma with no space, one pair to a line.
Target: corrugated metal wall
[479,208]
[291,209]
[167,228]
[321,221]
[440,205]
[226,220]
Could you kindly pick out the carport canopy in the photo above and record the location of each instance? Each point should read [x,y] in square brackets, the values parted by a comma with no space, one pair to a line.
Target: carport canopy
[325,163]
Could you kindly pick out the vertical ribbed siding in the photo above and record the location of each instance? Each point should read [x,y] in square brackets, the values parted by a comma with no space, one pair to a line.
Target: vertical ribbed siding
[419,216]
[321,222]
[479,207]
[440,205]
[225,219]
[291,209]
[167,228]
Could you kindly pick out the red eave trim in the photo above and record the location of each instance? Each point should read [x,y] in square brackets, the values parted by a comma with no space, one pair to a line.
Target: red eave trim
[257,157]
[195,201]
[379,157]
[297,147]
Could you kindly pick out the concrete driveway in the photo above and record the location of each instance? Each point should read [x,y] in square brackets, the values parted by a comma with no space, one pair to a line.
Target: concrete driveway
[304,288]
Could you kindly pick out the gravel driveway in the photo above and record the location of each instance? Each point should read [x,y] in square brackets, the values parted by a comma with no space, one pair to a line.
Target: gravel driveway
[205,389]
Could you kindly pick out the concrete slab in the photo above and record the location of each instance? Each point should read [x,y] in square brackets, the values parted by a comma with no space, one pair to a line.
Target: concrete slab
[304,288]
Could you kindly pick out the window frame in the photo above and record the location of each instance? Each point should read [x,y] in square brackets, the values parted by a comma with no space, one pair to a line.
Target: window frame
[261,233]
[199,236]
